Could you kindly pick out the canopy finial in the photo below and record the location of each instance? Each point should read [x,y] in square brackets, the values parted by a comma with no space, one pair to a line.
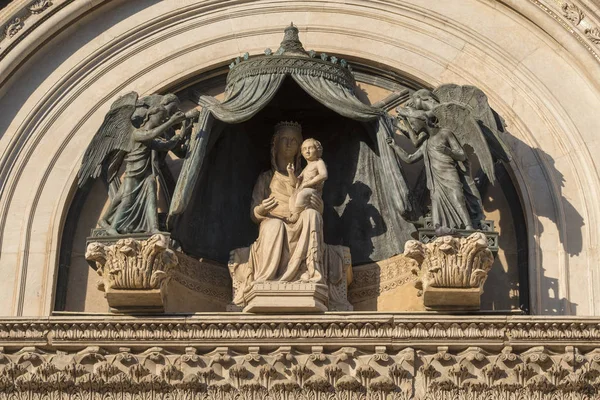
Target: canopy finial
[291,44]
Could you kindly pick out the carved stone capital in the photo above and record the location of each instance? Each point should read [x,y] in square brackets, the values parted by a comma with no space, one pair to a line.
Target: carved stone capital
[133,271]
[451,270]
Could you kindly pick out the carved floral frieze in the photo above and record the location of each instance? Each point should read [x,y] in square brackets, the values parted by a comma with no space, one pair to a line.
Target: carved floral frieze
[13,27]
[572,13]
[17,23]
[327,329]
[333,356]
[39,6]
[352,371]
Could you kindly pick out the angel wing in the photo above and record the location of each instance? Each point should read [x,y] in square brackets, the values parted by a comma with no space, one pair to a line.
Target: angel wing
[490,123]
[458,119]
[111,142]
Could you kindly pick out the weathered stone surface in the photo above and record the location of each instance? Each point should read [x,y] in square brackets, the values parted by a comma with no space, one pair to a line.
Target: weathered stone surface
[282,297]
[246,356]
[133,272]
[451,270]
[452,298]
[388,285]
[133,301]
[197,286]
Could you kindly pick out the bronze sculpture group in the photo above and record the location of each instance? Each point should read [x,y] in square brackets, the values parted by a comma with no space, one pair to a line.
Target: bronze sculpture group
[287,200]
[140,132]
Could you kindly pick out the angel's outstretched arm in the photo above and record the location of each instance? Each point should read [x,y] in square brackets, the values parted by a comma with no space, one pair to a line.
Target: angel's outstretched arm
[180,150]
[143,135]
[404,156]
[166,145]
[415,138]
[454,149]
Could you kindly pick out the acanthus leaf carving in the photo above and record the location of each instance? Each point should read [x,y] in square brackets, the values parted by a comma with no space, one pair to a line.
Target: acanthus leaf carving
[39,6]
[572,13]
[593,34]
[451,270]
[132,264]
[13,27]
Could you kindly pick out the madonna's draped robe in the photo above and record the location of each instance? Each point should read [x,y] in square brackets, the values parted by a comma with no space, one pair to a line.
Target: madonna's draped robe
[285,251]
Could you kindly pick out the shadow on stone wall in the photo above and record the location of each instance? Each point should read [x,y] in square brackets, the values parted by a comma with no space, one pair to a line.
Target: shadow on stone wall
[550,301]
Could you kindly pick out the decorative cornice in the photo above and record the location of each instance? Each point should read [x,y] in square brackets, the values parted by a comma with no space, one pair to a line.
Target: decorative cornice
[333,356]
[572,18]
[329,328]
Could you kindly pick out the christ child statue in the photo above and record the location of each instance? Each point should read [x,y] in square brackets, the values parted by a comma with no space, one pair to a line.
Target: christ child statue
[310,181]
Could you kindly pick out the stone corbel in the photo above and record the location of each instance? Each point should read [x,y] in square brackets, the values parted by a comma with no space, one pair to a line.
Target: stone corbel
[134,272]
[451,270]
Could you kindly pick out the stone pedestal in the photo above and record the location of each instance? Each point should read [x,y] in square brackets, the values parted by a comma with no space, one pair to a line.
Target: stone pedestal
[282,297]
[451,270]
[135,301]
[133,271]
[451,298]
[296,296]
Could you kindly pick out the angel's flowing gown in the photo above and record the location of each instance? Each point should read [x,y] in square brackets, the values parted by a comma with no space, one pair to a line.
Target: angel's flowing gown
[138,193]
[449,189]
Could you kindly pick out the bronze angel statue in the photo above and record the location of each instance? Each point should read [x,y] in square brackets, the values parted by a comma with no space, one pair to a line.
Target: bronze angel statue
[440,123]
[137,133]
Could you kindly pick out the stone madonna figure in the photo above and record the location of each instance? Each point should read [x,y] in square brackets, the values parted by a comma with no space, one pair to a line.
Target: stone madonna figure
[285,251]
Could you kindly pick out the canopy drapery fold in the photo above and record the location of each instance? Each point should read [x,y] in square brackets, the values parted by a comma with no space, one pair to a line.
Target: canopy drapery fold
[252,84]
[244,99]
[343,101]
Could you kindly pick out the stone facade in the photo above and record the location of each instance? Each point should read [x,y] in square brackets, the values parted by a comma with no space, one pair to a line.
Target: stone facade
[335,356]
[52,109]
[63,63]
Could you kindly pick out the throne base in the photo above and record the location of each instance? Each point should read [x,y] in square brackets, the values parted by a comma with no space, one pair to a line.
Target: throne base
[287,297]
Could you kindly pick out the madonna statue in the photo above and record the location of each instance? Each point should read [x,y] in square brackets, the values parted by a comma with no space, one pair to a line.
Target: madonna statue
[287,249]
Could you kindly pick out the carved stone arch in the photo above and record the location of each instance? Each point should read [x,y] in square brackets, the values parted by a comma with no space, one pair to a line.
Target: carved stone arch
[539,75]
